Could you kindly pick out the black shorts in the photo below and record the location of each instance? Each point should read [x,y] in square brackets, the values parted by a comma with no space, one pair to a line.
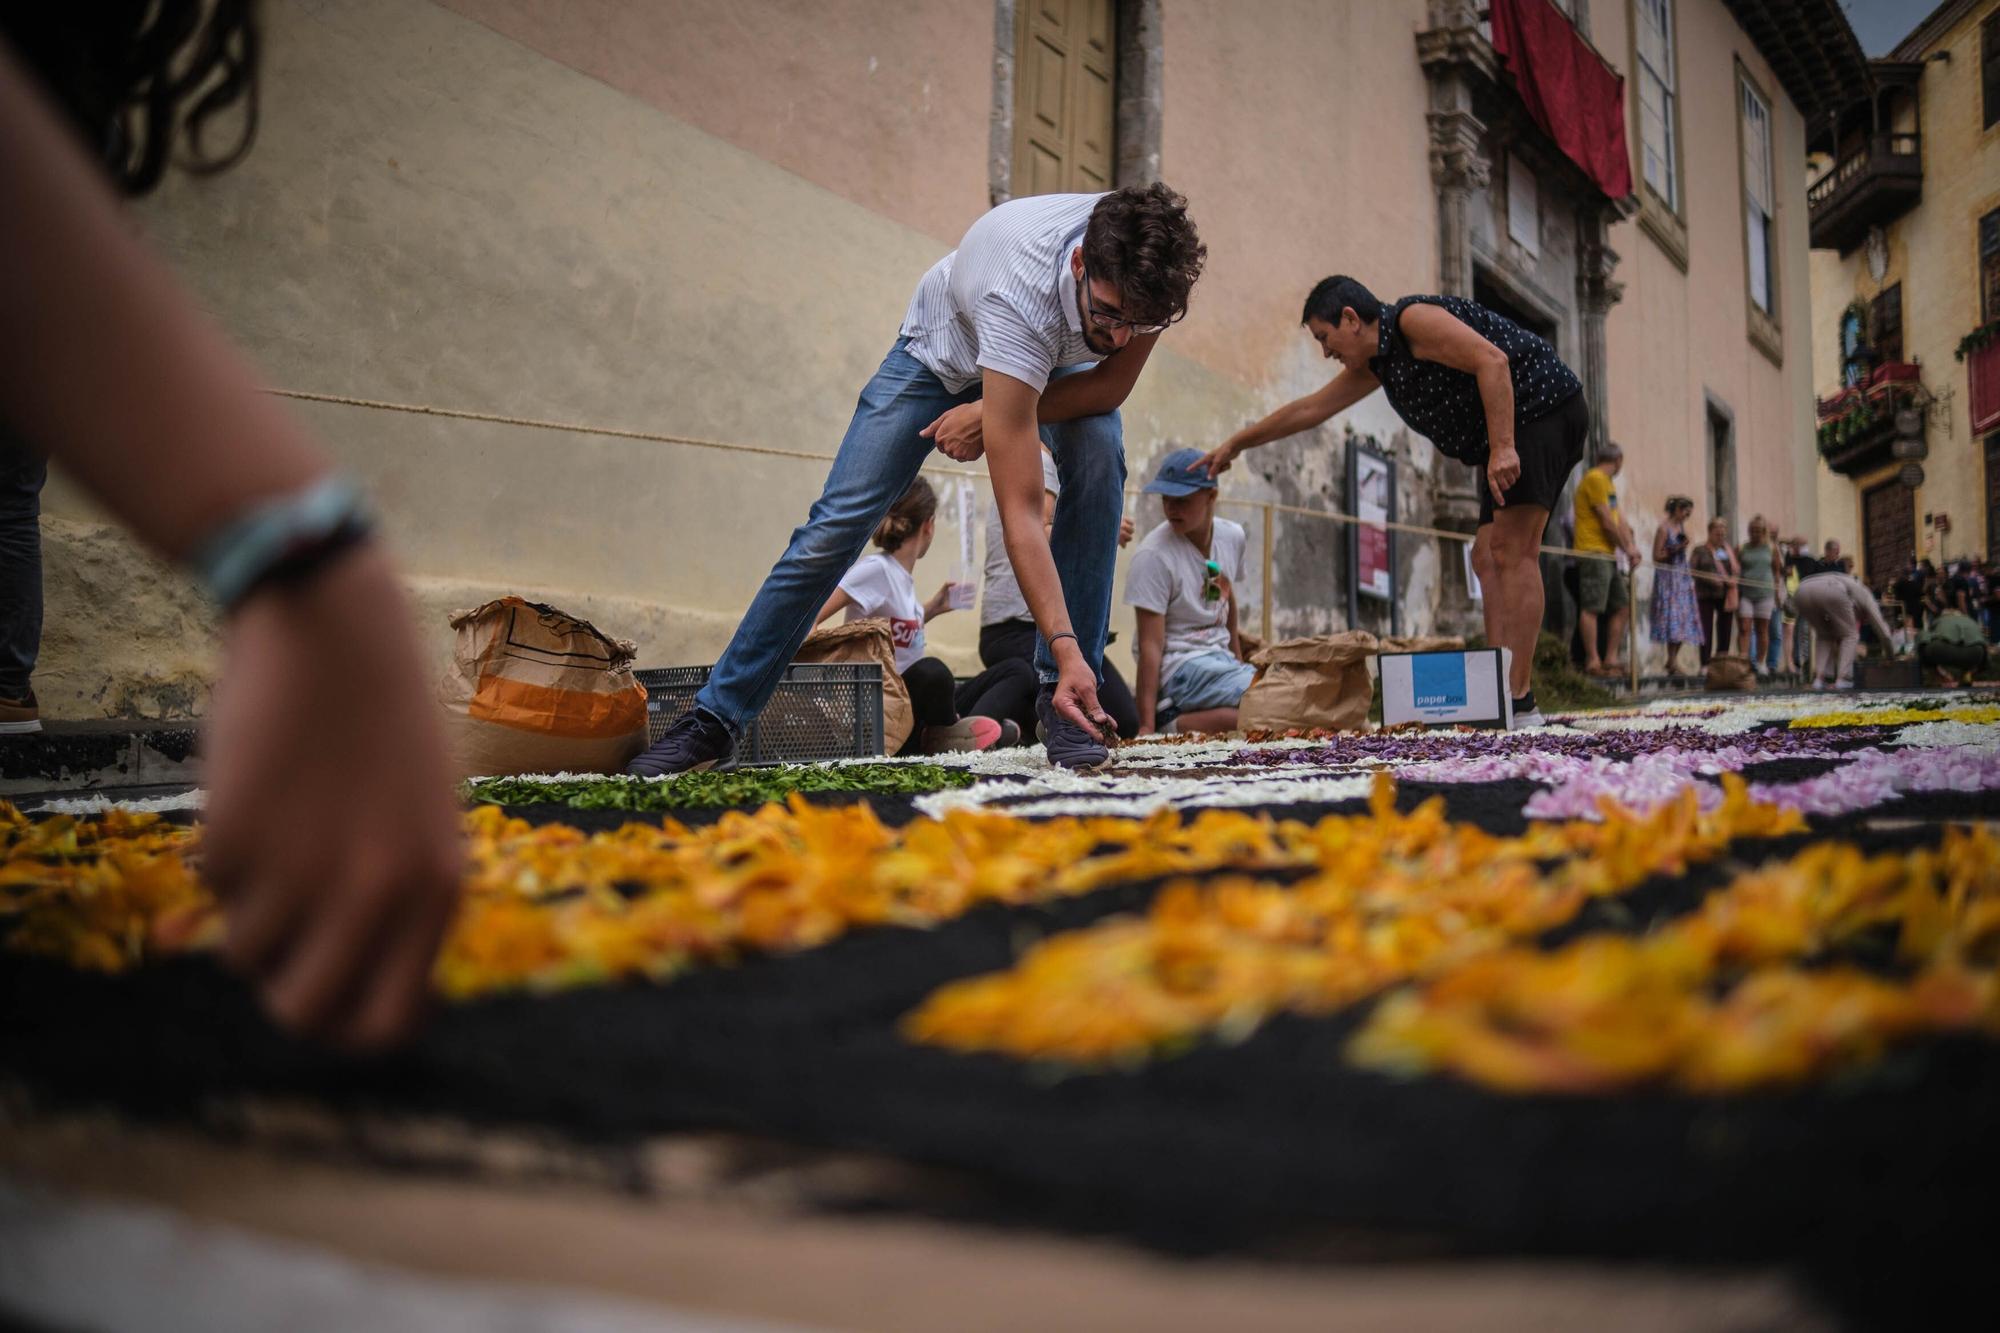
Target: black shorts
[1550,447]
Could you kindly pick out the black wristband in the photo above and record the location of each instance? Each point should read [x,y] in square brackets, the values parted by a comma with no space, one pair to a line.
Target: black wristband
[300,563]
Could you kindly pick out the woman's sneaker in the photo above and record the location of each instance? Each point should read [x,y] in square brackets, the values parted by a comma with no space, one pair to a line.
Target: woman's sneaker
[18,717]
[967,734]
[1526,714]
[696,742]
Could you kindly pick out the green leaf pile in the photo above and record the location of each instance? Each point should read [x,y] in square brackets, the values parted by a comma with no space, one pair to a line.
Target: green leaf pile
[750,786]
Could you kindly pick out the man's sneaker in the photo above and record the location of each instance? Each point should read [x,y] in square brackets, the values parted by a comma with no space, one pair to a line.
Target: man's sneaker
[1069,745]
[696,742]
[966,734]
[18,717]
[1526,714]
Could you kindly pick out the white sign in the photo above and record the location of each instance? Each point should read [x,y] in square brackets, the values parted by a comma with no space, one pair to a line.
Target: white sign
[1371,506]
[1447,689]
[964,585]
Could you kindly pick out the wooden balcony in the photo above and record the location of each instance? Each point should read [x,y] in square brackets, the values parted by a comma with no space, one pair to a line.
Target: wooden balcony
[1869,188]
[1857,426]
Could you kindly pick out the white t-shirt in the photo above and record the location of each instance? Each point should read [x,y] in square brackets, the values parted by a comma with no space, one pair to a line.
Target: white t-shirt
[883,590]
[1005,300]
[1000,594]
[1167,575]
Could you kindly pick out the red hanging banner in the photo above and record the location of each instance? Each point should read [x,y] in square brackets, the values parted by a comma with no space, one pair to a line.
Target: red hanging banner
[1577,99]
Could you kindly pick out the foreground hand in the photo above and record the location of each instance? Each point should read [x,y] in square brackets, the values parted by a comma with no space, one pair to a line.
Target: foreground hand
[1503,469]
[1125,530]
[1076,696]
[1217,460]
[959,433]
[332,835]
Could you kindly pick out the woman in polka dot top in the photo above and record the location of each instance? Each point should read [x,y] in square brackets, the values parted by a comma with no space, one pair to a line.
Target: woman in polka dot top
[1486,392]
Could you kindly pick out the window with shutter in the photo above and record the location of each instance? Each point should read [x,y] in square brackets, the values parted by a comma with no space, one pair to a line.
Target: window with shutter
[1524,206]
[1989,266]
[1064,109]
[1758,196]
[1659,109]
[1885,321]
[1989,68]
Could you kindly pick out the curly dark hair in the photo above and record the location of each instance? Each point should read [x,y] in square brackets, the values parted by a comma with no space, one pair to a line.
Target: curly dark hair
[907,516]
[1141,241]
[136,76]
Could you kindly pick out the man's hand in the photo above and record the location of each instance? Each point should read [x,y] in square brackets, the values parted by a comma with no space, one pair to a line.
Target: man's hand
[332,836]
[1125,530]
[1503,469]
[1076,693]
[1218,460]
[960,433]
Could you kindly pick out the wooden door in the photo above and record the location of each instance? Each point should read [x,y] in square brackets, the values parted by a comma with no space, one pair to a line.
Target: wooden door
[1888,531]
[1993,496]
[1064,107]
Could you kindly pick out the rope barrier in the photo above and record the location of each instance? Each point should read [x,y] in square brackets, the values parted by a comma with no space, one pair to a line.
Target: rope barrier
[773,451]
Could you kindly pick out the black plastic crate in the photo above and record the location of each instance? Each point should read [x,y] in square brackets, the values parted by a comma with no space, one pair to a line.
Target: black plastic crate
[818,711]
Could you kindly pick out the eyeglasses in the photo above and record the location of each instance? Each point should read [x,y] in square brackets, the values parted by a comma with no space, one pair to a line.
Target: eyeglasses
[1211,586]
[1112,320]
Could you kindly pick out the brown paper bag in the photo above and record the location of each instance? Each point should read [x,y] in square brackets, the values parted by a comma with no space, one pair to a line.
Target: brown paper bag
[532,689]
[1731,672]
[868,641]
[1317,682]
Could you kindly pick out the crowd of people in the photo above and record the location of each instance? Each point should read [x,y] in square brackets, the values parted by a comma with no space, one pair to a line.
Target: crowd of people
[1782,608]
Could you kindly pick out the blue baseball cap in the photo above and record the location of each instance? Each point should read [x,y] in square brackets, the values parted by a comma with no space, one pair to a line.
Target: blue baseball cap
[1178,475]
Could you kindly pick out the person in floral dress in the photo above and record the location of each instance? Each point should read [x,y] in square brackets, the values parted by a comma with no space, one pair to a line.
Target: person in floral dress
[1676,618]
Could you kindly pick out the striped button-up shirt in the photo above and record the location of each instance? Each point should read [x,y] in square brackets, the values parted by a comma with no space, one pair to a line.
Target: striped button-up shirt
[1005,300]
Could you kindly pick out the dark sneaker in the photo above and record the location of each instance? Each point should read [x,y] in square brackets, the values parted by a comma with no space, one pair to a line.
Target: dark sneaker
[18,717]
[1070,746]
[696,742]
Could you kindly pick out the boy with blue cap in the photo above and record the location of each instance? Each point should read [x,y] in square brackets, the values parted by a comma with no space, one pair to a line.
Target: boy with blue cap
[1182,586]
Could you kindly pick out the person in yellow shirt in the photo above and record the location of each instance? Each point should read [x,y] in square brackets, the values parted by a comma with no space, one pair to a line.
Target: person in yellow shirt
[1601,590]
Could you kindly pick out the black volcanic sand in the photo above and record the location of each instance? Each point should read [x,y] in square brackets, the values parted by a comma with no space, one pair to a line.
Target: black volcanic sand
[1878,1186]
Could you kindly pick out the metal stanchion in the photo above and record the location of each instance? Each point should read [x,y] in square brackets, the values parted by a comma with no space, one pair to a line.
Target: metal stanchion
[1632,627]
[1264,616]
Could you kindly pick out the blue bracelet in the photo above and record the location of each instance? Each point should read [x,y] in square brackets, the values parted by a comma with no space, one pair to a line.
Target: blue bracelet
[284,538]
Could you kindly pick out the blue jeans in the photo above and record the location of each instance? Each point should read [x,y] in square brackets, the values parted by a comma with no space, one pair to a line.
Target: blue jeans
[22,473]
[878,460]
[1212,680]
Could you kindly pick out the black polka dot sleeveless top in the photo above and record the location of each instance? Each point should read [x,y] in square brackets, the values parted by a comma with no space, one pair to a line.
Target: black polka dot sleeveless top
[1442,403]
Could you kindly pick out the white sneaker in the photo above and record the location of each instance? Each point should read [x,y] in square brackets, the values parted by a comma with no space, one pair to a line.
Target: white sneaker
[1532,718]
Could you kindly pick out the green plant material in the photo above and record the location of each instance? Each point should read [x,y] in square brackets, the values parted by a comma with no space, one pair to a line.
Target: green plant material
[749,786]
[1978,338]
[1558,684]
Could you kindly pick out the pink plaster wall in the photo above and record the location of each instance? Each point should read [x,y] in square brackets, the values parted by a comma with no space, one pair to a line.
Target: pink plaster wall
[1677,334]
[885,104]
[1296,129]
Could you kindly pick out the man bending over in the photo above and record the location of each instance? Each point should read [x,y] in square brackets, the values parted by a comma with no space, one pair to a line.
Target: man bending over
[1038,284]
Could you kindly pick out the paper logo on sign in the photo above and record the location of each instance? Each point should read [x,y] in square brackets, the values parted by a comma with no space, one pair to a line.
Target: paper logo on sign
[1437,681]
